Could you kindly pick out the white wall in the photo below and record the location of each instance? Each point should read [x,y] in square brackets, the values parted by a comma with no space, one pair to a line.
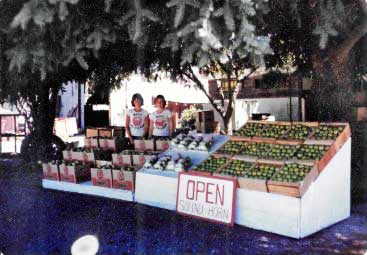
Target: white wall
[279,107]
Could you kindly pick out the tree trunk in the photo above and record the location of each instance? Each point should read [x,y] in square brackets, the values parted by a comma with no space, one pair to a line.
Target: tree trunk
[331,99]
[331,96]
[39,145]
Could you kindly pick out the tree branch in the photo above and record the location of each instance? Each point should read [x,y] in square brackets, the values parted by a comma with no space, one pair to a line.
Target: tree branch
[342,52]
[193,77]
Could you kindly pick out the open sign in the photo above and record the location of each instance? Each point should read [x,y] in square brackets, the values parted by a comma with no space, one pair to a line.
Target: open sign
[207,197]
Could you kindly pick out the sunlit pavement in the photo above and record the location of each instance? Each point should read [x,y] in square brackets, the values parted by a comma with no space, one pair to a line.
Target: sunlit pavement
[38,221]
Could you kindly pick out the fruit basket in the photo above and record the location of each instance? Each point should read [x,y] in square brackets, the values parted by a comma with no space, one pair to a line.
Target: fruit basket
[293,179]
[281,151]
[312,151]
[253,151]
[273,131]
[232,147]
[250,129]
[212,164]
[298,132]
[256,177]
[235,168]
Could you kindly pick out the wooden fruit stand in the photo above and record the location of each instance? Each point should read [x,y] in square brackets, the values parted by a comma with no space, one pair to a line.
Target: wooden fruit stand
[288,183]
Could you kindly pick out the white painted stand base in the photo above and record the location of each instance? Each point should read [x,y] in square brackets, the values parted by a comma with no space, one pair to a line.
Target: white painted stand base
[88,189]
[326,201]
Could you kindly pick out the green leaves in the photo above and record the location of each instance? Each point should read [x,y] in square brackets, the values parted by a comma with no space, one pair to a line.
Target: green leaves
[24,15]
[180,9]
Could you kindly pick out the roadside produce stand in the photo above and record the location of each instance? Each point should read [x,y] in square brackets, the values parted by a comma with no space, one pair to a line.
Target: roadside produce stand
[159,188]
[292,179]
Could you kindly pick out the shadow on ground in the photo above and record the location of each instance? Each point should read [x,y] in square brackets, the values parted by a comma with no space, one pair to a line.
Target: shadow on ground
[38,221]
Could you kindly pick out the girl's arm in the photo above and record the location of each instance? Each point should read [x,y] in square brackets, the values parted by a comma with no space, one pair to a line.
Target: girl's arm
[127,128]
[146,125]
[151,129]
[170,126]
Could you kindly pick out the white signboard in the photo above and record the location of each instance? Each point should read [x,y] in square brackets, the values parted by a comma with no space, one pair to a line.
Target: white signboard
[207,197]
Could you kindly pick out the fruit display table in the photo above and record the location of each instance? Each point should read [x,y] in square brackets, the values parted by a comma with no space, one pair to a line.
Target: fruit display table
[159,188]
[326,201]
[88,189]
[294,180]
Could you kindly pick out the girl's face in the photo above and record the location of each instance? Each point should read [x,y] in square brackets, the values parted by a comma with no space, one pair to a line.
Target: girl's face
[137,103]
[159,103]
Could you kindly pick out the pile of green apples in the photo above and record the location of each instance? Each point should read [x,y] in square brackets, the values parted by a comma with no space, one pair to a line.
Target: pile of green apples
[292,173]
[256,149]
[237,168]
[282,151]
[262,171]
[327,132]
[249,130]
[273,131]
[310,151]
[233,147]
[298,132]
[212,164]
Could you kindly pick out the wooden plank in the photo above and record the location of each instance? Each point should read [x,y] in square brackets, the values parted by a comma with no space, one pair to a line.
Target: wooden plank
[263,139]
[343,137]
[321,164]
[288,142]
[295,189]
[252,184]
[240,138]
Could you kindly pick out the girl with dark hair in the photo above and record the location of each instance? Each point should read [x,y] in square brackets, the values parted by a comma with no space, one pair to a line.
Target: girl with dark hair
[161,125]
[137,120]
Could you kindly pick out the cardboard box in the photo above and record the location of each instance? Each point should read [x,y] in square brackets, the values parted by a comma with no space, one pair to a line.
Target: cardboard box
[68,155]
[139,159]
[114,144]
[162,145]
[51,172]
[144,145]
[120,160]
[91,142]
[123,179]
[82,156]
[98,132]
[101,177]
[74,174]
[100,163]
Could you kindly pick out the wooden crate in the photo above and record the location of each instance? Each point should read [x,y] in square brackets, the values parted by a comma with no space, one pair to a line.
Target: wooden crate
[228,157]
[296,189]
[257,184]
[217,152]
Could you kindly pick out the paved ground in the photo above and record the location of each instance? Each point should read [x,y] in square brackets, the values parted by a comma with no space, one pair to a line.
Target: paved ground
[38,221]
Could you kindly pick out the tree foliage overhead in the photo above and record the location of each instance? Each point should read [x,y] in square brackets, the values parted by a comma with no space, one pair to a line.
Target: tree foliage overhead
[48,38]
